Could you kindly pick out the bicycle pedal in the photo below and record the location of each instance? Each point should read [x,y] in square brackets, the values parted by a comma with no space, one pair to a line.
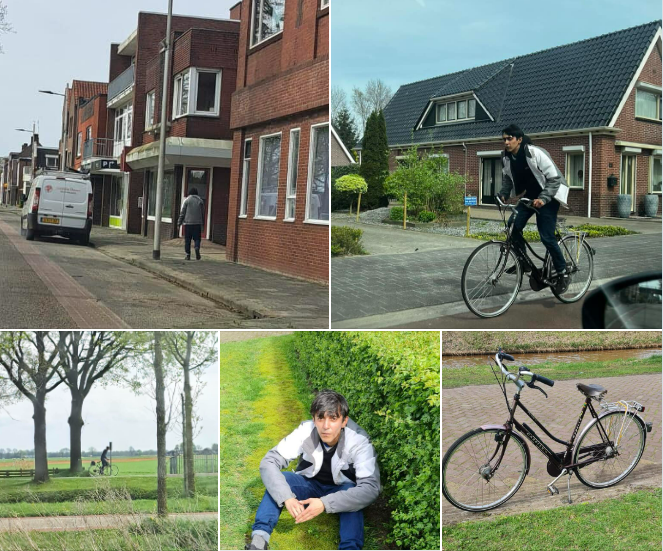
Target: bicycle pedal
[552,490]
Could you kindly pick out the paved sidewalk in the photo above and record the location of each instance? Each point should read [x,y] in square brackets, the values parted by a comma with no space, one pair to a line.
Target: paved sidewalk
[466,408]
[87,522]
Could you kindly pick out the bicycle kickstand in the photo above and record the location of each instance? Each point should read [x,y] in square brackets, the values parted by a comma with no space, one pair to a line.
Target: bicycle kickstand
[552,489]
[568,485]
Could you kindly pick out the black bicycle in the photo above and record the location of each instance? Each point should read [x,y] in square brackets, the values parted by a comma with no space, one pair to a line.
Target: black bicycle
[97,469]
[484,468]
[493,273]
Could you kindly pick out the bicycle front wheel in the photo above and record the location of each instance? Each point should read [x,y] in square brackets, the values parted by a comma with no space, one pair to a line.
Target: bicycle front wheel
[467,480]
[491,279]
[615,459]
[580,262]
[114,470]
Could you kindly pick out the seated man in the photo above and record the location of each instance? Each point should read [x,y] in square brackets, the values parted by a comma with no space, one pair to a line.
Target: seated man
[337,473]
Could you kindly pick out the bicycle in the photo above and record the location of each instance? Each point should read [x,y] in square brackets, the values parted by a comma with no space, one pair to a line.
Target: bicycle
[493,273]
[96,469]
[484,468]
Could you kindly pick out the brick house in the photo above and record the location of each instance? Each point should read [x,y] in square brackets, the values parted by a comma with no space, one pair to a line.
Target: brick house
[340,156]
[279,188]
[17,169]
[594,105]
[198,141]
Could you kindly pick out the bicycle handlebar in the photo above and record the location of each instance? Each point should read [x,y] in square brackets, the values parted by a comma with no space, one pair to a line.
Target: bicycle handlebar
[523,200]
[501,355]
[543,380]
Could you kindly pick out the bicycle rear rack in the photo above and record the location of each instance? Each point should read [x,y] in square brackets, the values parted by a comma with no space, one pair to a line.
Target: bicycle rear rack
[622,405]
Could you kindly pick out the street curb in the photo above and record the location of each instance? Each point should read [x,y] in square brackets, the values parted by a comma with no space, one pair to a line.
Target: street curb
[201,290]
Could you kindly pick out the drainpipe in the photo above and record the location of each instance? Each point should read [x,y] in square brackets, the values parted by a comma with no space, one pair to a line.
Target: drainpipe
[589,180]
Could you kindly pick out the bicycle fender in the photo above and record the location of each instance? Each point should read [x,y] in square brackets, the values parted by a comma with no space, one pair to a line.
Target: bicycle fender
[515,435]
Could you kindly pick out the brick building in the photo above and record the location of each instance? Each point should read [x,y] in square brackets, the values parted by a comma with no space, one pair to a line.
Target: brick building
[594,105]
[340,156]
[198,141]
[17,169]
[279,188]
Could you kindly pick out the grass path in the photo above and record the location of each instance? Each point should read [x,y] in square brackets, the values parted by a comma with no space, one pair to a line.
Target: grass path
[259,405]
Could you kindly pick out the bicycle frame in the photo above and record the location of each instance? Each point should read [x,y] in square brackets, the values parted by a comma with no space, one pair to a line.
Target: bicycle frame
[565,462]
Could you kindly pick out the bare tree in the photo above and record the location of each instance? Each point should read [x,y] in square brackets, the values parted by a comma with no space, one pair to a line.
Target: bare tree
[31,362]
[338,99]
[5,26]
[361,107]
[162,497]
[374,97]
[84,359]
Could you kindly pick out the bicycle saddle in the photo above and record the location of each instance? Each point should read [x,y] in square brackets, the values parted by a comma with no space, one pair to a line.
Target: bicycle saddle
[594,391]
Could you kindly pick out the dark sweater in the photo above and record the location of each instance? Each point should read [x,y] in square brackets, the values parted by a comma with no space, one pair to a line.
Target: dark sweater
[324,475]
[523,179]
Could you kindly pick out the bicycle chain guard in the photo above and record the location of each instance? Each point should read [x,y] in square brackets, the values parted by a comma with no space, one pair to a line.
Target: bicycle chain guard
[535,281]
[554,470]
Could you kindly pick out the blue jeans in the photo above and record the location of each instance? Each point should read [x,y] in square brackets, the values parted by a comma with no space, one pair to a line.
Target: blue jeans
[351,524]
[191,231]
[546,220]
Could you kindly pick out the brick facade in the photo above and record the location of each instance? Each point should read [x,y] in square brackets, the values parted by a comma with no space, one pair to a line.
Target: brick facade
[282,84]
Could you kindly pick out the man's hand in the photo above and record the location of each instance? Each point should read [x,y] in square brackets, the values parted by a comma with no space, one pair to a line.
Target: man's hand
[537,203]
[315,507]
[294,507]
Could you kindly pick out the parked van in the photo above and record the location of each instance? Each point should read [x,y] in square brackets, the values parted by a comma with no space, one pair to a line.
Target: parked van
[59,203]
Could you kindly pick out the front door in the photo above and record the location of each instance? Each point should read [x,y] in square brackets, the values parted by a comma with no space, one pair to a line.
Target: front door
[627,183]
[491,179]
[199,178]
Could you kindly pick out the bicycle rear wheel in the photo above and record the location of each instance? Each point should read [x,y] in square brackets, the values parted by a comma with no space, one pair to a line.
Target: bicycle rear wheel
[580,262]
[94,471]
[487,286]
[466,479]
[615,461]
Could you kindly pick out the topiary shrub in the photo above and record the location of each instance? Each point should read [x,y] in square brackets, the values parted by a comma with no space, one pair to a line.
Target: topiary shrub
[341,200]
[426,216]
[346,240]
[396,213]
[392,383]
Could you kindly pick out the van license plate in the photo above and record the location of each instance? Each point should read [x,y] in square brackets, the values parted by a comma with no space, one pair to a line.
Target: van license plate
[50,220]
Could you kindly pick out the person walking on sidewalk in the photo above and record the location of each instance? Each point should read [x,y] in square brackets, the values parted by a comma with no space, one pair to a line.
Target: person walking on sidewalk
[528,170]
[337,473]
[192,216]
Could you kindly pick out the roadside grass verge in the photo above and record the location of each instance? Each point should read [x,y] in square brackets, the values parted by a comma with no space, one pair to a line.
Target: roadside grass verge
[533,236]
[629,522]
[482,375]
[463,343]
[149,535]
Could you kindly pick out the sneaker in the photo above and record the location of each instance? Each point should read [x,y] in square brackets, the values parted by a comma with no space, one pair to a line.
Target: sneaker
[258,542]
[197,254]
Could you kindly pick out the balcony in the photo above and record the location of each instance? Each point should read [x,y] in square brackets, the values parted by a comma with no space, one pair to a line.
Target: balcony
[98,147]
[121,87]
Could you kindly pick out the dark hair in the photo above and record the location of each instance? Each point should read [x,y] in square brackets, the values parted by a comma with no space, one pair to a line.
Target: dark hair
[193,191]
[516,132]
[329,402]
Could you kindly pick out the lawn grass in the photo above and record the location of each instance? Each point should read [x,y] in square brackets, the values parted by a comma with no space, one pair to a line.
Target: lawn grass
[169,535]
[482,374]
[632,522]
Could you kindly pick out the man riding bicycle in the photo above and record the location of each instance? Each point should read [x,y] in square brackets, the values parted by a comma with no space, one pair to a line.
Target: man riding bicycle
[528,171]
[104,459]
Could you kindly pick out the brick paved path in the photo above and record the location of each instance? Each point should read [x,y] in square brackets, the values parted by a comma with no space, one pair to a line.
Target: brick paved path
[467,408]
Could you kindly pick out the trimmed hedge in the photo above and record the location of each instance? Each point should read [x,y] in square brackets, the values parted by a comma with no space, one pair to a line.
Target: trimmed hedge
[346,240]
[392,383]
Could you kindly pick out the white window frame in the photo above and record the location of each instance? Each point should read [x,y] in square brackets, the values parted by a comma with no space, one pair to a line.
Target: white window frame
[150,98]
[293,165]
[252,16]
[193,93]
[153,217]
[88,133]
[311,158]
[651,173]
[324,4]
[256,214]
[246,169]
[445,105]
[52,157]
[124,113]
[657,95]
[568,154]
[79,144]
[438,107]
[458,104]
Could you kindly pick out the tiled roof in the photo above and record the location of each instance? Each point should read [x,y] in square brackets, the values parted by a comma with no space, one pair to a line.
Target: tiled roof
[88,89]
[574,86]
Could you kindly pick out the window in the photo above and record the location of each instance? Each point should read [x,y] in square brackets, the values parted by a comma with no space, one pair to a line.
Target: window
[655,175]
[471,108]
[462,109]
[122,135]
[149,110]
[442,113]
[246,170]
[88,133]
[168,185]
[575,170]
[324,4]
[647,104]
[79,144]
[451,111]
[317,197]
[116,196]
[269,163]
[267,19]
[51,161]
[293,163]
[203,86]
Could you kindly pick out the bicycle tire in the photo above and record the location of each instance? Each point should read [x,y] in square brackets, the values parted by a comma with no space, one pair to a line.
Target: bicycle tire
[583,472]
[114,470]
[94,471]
[502,300]
[574,294]
[447,485]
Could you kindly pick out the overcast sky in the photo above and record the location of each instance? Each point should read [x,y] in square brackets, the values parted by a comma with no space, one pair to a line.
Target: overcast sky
[402,41]
[110,414]
[57,41]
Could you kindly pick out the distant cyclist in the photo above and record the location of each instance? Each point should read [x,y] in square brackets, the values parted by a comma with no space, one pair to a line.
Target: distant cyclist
[528,171]
[104,459]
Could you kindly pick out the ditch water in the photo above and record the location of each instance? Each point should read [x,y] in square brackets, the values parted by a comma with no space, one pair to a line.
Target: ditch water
[452,362]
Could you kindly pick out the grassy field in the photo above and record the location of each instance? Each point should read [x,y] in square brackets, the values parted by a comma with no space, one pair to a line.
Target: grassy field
[487,342]
[261,402]
[482,375]
[629,522]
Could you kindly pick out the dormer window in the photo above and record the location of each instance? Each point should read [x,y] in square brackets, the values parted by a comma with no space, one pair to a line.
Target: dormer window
[452,111]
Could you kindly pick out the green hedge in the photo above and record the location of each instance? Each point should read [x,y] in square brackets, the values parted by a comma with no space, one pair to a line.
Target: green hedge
[392,383]
[346,240]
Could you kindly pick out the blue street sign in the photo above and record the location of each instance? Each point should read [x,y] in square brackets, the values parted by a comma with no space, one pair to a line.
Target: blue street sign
[470,201]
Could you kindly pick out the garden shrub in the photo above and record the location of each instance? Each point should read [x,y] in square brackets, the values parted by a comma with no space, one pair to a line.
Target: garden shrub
[426,216]
[392,383]
[346,240]
[341,200]
[594,230]
[396,213]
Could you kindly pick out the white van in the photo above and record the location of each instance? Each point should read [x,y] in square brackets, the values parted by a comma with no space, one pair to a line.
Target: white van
[59,203]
